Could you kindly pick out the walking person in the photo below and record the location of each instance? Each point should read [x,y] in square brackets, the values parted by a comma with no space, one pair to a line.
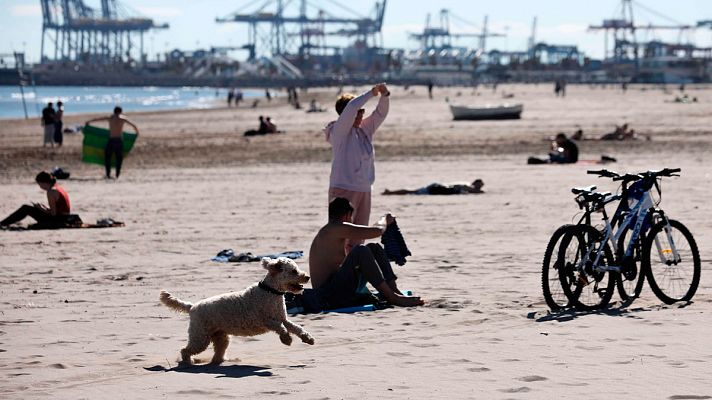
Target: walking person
[48,124]
[351,139]
[58,124]
[115,146]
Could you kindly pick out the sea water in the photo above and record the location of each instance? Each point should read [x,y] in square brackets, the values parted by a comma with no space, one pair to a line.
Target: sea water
[103,99]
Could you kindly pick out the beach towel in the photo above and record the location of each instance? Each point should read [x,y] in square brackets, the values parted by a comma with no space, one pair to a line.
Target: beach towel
[394,244]
[228,255]
[308,303]
[94,144]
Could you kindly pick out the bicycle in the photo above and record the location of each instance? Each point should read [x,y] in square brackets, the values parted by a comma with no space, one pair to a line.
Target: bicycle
[585,263]
[591,202]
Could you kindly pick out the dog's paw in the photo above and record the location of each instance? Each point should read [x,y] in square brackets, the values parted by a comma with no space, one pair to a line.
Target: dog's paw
[307,338]
[286,339]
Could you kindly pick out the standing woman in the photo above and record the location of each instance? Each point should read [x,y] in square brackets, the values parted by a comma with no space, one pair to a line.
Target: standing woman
[58,125]
[351,138]
[55,212]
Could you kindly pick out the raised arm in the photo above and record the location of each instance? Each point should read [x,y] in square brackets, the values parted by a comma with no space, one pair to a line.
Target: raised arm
[131,123]
[97,119]
[346,120]
[373,121]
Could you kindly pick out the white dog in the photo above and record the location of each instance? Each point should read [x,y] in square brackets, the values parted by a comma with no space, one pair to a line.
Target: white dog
[258,309]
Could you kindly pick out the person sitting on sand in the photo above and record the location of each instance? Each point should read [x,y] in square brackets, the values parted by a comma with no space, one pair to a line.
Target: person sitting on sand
[115,146]
[271,127]
[438,189]
[57,199]
[564,150]
[336,277]
[263,128]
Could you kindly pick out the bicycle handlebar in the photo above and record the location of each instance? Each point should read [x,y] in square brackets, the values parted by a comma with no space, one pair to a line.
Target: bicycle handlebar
[603,173]
[647,174]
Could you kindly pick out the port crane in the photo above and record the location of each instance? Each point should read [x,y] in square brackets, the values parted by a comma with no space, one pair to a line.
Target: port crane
[274,30]
[440,37]
[74,31]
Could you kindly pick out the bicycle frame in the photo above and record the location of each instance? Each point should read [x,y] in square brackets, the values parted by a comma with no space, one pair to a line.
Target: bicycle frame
[638,213]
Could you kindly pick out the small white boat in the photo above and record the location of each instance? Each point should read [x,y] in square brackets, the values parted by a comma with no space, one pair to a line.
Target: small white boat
[502,111]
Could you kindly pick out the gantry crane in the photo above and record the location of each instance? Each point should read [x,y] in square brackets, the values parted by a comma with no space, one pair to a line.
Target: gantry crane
[440,37]
[77,32]
[271,31]
[623,32]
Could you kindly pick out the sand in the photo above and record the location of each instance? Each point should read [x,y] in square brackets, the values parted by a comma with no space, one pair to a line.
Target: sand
[79,310]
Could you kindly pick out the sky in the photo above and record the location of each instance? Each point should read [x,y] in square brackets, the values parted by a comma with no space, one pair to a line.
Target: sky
[192,23]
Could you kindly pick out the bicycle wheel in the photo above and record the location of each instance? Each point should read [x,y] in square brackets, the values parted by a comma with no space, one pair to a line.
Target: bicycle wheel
[554,294]
[632,275]
[592,287]
[672,278]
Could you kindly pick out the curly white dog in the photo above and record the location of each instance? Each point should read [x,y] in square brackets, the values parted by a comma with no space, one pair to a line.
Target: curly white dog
[256,310]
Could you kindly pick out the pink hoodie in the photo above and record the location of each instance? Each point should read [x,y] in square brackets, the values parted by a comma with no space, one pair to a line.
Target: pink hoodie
[352,166]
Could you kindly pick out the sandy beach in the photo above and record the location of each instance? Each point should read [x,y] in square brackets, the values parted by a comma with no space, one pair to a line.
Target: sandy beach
[79,310]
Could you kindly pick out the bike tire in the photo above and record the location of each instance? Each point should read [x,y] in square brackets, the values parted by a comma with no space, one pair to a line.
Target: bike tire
[630,281]
[592,289]
[554,294]
[664,277]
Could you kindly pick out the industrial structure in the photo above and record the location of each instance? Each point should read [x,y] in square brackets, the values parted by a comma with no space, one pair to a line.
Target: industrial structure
[325,42]
[441,37]
[294,39]
[74,31]
[628,55]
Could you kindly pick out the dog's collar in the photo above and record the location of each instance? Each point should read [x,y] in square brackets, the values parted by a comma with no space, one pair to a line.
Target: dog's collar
[270,289]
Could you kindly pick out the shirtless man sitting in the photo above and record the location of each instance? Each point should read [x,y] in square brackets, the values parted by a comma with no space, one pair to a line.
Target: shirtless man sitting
[336,277]
[115,146]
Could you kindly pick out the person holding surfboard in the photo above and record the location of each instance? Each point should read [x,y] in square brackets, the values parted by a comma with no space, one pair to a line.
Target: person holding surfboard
[115,146]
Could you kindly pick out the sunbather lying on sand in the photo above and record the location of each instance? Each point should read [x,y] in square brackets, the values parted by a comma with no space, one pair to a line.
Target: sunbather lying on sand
[439,189]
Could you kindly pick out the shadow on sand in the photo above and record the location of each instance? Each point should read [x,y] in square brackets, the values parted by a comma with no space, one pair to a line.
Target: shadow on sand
[220,371]
[622,309]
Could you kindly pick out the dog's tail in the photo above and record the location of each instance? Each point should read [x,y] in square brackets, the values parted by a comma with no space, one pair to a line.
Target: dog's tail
[175,303]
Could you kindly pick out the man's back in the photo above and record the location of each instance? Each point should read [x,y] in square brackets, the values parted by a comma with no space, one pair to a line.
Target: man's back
[326,254]
[571,151]
[116,126]
[327,249]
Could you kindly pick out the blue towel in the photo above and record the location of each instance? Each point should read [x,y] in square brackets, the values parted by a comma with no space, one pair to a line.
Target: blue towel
[228,255]
[394,244]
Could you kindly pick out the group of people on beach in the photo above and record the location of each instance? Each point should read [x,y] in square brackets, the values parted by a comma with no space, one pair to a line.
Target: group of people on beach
[57,211]
[52,123]
[234,95]
[266,126]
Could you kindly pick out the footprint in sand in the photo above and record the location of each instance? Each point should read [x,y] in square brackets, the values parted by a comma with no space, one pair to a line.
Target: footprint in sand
[688,397]
[522,389]
[532,378]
